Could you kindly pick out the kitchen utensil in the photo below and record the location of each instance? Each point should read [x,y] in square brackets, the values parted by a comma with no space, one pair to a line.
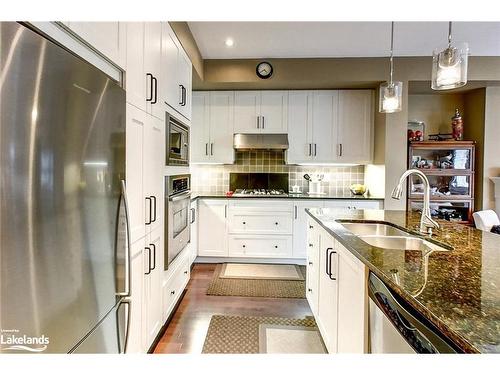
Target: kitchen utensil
[307,177]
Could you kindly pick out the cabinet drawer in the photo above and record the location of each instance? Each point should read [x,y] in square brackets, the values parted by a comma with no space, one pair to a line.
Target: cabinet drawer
[175,285]
[260,223]
[261,246]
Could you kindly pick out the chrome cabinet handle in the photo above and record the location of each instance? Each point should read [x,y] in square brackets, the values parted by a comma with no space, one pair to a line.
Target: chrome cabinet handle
[181,95]
[329,253]
[153,199]
[225,210]
[193,215]
[150,76]
[156,90]
[148,199]
[149,260]
[154,256]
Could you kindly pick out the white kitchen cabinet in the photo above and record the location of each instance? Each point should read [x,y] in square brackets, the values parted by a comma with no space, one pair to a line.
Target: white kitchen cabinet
[353,204]
[144,171]
[260,111]
[340,303]
[177,73]
[355,130]
[153,270]
[135,79]
[154,151]
[260,246]
[135,131]
[312,265]
[212,233]
[300,130]
[136,329]
[109,38]
[155,82]
[300,218]
[212,127]
[353,303]
[174,283]
[327,316]
[324,126]
[200,128]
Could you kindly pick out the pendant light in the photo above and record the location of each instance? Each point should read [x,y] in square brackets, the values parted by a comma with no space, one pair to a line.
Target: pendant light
[391,93]
[449,66]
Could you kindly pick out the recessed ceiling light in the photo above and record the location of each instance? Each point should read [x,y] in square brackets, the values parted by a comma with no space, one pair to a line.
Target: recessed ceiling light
[229,42]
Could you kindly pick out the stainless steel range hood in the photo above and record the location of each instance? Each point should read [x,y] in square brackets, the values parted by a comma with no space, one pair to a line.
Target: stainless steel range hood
[260,141]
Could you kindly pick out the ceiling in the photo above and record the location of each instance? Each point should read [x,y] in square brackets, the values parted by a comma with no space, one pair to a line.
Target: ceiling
[338,39]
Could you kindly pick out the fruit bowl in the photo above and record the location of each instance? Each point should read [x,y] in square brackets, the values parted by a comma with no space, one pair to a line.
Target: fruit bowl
[358,189]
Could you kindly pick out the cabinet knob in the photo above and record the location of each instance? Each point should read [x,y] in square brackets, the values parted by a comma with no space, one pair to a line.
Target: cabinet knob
[276,223]
[275,246]
[172,292]
[311,227]
[309,290]
[185,272]
[310,245]
[310,263]
[244,245]
[244,222]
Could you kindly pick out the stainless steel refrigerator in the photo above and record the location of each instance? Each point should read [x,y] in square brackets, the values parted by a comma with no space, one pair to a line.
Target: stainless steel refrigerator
[64,257]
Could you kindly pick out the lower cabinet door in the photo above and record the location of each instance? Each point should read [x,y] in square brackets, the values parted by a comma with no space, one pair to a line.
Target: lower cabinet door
[352,307]
[260,247]
[327,317]
[152,282]
[300,220]
[212,238]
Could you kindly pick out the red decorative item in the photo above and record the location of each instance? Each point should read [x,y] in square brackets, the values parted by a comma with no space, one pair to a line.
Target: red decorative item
[457,126]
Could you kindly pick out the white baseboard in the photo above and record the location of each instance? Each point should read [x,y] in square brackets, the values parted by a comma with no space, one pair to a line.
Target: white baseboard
[300,261]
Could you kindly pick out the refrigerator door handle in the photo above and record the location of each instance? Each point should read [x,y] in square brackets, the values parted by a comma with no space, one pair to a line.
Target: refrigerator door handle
[126,303]
[128,274]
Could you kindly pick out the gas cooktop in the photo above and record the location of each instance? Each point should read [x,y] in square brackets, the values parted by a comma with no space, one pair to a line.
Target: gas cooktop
[246,192]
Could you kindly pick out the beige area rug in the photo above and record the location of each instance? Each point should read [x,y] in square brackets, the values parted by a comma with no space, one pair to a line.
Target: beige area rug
[251,334]
[270,288]
[251,271]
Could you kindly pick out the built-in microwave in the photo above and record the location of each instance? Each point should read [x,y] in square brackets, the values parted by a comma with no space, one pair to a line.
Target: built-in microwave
[177,141]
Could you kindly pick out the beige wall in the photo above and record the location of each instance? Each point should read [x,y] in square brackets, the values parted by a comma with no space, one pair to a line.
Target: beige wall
[491,145]
[435,111]
[474,131]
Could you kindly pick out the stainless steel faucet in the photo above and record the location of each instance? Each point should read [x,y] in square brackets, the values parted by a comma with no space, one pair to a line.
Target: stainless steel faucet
[426,221]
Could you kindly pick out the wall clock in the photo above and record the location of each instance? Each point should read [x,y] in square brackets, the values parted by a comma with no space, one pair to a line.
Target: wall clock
[264,70]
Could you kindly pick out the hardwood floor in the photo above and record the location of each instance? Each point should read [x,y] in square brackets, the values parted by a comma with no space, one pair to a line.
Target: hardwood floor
[188,327]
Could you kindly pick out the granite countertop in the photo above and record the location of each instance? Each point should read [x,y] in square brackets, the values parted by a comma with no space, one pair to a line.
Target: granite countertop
[462,292]
[195,195]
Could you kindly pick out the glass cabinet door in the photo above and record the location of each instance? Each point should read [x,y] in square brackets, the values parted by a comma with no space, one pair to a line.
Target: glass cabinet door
[451,211]
[442,187]
[441,159]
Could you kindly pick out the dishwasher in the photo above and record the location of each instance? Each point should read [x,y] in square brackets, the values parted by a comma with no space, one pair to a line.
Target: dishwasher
[396,327]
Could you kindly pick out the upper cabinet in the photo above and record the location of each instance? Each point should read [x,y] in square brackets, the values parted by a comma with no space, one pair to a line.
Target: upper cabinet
[355,130]
[260,111]
[330,126]
[212,127]
[108,38]
[177,73]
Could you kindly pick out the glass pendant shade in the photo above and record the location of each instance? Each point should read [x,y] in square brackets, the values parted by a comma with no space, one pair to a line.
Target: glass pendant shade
[449,67]
[390,97]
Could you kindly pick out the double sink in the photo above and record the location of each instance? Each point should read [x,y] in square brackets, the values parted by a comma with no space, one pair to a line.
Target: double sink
[389,237]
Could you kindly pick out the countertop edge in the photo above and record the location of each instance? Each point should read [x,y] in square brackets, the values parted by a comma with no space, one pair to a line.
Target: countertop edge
[290,197]
[459,340]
